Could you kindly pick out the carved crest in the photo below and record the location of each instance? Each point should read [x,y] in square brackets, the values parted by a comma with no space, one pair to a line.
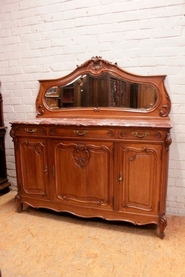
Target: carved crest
[81,155]
[96,64]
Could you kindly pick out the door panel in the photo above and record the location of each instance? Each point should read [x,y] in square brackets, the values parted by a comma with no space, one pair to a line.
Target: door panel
[33,166]
[140,168]
[83,172]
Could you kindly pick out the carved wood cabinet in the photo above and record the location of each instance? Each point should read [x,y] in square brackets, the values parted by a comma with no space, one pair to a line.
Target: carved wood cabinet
[97,161]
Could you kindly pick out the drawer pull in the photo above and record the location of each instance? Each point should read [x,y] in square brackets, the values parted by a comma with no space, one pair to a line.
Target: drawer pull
[80,133]
[31,130]
[140,135]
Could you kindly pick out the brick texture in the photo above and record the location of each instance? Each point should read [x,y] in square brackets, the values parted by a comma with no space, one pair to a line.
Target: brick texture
[47,39]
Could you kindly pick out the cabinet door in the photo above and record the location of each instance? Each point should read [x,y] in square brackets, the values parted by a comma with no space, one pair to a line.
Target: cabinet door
[139,177]
[32,167]
[83,173]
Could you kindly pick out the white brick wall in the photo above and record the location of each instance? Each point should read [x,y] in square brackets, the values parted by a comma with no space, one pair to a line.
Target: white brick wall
[47,39]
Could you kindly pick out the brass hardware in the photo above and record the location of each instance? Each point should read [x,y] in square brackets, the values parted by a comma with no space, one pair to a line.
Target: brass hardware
[80,133]
[140,135]
[31,130]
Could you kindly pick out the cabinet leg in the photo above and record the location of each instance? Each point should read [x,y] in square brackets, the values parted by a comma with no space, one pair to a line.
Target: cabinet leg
[19,203]
[162,225]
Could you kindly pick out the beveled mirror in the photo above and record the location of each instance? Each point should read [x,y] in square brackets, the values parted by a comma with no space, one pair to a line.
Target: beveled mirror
[98,85]
[106,90]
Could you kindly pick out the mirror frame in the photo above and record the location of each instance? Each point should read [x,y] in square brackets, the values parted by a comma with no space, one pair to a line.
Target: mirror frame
[96,66]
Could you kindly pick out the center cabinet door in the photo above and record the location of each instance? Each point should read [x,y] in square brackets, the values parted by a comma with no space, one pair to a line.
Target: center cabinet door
[82,173]
[139,181]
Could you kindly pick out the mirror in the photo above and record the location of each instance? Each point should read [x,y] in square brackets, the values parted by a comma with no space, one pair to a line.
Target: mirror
[106,90]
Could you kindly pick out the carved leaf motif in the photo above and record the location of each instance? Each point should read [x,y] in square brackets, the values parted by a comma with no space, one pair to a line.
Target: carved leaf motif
[81,155]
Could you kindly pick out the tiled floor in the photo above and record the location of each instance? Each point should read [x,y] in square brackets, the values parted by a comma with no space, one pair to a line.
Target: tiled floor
[38,243]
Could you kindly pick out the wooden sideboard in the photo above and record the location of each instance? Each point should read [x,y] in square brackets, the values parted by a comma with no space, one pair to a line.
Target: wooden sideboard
[109,162]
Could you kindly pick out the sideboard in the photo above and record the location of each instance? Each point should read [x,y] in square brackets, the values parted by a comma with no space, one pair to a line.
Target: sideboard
[99,146]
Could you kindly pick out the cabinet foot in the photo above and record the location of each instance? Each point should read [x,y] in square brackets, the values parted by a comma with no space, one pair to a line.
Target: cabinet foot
[19,203]
[162,225]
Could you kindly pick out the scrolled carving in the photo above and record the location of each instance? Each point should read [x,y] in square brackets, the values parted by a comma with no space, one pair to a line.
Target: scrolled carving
[168,140]
[40,110]
[165,110]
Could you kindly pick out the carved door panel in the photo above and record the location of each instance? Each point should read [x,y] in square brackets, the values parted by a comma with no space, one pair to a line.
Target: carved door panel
[32,167]
[83,173]
[139,187]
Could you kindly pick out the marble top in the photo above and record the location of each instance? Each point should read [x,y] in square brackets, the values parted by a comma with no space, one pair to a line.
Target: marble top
[117,122]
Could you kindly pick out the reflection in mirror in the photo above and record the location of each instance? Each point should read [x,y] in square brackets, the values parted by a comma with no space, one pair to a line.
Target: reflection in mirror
[107,90]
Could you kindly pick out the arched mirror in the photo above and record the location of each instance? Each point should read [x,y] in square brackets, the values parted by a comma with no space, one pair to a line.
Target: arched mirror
[106,90]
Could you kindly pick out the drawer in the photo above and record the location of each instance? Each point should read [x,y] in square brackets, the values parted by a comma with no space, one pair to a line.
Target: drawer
[30,130]
[79,132]
[142,134]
